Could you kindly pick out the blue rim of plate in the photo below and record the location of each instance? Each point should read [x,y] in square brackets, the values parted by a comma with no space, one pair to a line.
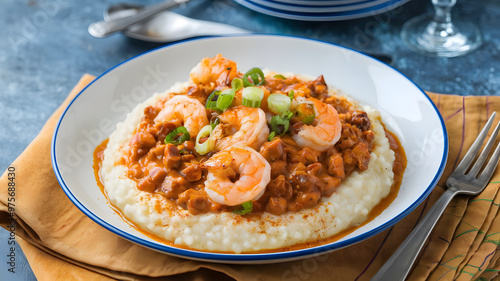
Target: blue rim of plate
[247,258]
[317,3]
[334,16]
[319,10]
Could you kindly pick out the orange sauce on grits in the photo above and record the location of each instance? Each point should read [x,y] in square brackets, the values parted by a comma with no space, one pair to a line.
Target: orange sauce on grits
[398,169]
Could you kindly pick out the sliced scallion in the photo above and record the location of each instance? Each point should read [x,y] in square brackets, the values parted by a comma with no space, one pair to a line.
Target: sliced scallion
[279,76]
[237,84]
[225,99]
[256,75]
[212,101]
[252,96]
[247,208]
[305,113]
[214,122]
[208,145]
[178,136]
[278,103]
[279,124]
[271,136]
[291,94]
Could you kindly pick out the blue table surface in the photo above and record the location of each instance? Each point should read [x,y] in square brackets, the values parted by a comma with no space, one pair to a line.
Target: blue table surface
[45,48]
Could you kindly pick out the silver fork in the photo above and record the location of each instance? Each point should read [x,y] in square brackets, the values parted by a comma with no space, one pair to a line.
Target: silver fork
[464,180]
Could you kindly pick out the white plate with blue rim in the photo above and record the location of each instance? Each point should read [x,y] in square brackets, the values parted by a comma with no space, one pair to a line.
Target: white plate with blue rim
[321,10]
[313,13]
[405,109]
[318,3]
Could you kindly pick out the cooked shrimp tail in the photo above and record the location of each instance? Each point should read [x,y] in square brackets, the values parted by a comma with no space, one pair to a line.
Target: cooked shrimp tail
[243,126]
[184,111]
[236,175]
[218,69]
[325,130]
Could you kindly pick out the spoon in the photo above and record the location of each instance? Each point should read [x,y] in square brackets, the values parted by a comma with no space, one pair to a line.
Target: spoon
[166,26]
[105,28]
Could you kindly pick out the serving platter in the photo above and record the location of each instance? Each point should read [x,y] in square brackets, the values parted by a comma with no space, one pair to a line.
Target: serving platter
[405,109]
[319,11]
[312,3]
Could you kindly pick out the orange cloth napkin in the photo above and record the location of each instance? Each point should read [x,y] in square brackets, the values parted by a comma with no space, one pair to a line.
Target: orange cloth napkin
[61,243]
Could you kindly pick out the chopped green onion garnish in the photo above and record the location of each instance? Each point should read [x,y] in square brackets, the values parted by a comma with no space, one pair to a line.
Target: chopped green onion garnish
[279,124]
[279,76]
[305,113]
[225,99]
[237,84]
[207,145]
[214,122]
[220,101]
[252,96]
[212,101]
[256,75]
[247,208]
[278,103]
[291,94]
[178,136]
[271,136]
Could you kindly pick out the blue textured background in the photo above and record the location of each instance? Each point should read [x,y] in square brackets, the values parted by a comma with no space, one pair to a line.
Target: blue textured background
[45,48]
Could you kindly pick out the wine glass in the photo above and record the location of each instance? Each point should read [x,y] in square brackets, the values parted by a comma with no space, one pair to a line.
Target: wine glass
[436,35]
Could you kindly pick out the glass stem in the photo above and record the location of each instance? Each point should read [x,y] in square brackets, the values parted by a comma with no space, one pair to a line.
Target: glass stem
[443,10]
[441,25]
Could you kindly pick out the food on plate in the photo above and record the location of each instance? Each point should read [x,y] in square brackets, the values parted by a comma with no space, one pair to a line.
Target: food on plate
[247,162]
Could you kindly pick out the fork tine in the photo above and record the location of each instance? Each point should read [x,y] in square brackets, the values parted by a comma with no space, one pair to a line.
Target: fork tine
[474,149]
[491,166]
[484,154]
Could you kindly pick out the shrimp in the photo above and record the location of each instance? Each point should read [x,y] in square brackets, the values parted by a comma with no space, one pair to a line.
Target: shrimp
[327,128]
[241,125]
[218,70]
[250,169]
[184,111]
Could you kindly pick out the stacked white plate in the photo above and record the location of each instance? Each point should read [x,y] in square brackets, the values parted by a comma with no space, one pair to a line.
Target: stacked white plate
[321,10]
